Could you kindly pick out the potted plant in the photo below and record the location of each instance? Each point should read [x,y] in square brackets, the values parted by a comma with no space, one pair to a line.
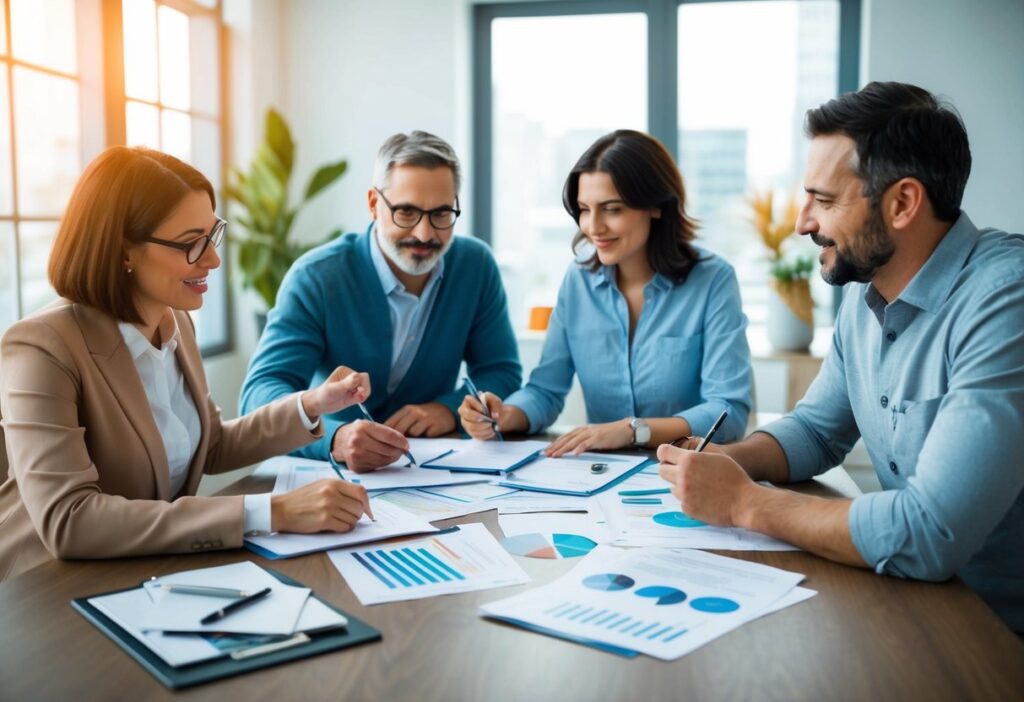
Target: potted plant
[790,307]
[263,212]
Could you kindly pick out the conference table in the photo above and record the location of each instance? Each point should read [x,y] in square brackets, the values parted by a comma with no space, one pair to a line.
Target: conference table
[863,637]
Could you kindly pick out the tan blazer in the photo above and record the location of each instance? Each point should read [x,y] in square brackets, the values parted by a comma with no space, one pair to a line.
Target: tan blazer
[88,475]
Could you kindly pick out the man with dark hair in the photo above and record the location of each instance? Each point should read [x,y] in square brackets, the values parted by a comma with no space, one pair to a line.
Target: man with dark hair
[927,365]
[406,300]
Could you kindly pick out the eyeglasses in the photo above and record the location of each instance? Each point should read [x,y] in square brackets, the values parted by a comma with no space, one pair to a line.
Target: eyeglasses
[195,249]
[407,216]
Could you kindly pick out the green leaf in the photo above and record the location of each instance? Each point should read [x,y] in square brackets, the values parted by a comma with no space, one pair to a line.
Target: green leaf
[324,176]
[279,139]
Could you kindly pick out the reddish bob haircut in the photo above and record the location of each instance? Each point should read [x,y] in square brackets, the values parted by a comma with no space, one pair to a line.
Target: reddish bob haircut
[121,198]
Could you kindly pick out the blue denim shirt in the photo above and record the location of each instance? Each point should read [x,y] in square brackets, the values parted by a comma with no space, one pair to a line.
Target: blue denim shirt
[689,356]
[934,382]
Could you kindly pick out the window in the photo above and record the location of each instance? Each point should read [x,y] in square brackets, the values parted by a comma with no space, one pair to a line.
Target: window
[722,84]
[40,144]
[172,102]
[547,110]
[155,67]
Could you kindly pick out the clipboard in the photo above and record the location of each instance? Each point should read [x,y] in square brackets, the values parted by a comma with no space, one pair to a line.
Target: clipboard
[357,632]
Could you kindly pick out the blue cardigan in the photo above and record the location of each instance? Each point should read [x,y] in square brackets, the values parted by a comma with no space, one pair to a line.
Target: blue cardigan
[331,311]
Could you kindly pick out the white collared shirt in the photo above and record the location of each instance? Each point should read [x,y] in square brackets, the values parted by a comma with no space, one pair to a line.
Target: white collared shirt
[174,411]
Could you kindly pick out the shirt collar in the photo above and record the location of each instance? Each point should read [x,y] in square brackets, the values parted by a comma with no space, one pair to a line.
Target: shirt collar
[932,284]
[388,280]
[138,344]
[605,275]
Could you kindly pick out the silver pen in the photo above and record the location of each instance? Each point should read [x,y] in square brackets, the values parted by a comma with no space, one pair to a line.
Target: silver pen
[369,418]
[204,590]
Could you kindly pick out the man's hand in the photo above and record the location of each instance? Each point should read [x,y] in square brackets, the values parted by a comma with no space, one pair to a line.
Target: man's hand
[431,419]
[710,487]
[612,435]
[363,445]
[326,505]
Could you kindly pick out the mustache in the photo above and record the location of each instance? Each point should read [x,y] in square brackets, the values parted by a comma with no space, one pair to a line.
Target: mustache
[416,243]
[822,240]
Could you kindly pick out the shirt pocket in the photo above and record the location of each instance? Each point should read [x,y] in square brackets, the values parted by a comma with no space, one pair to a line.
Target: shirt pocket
[912,420]
[669,374]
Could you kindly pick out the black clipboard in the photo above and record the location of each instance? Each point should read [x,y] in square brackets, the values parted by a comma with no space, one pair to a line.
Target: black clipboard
[357,632]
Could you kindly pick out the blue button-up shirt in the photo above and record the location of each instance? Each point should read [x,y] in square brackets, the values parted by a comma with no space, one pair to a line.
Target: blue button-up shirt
[409,313]
[934,382]
[689,356]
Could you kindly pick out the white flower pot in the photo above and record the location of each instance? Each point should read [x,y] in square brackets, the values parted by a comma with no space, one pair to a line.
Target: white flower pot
[786,331]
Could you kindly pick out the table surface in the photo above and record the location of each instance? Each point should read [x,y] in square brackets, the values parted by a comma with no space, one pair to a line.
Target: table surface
[863,637]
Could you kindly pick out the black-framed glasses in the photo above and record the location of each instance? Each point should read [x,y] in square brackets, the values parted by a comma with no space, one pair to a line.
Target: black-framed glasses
[195,249]
[407,216]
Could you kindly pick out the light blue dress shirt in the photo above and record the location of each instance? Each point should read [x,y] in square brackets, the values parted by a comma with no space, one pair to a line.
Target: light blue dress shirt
[689,356]
[409,313]
[934,382]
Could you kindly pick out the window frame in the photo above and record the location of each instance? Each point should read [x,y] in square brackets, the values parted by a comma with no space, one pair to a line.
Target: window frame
[662,77]
[102,99]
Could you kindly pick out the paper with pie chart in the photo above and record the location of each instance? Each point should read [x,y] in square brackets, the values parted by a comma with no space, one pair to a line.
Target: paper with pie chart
[657,520]
[661,602]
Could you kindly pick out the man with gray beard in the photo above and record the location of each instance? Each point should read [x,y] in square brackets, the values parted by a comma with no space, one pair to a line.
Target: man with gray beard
[405,301]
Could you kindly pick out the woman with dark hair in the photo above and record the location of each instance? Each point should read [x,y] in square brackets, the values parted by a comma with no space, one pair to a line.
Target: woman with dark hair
[108,421]
[650,324]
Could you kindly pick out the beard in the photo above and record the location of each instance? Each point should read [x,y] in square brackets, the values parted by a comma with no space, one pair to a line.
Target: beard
[870,249]
[410,263]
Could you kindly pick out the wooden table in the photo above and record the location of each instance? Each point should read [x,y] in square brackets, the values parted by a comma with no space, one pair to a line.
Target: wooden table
[864,637]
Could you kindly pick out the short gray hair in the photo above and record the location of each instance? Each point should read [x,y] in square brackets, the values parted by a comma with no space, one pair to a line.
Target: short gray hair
[415,149]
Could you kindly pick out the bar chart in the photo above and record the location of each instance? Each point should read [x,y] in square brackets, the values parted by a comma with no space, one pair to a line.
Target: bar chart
[465,559]
[611,620]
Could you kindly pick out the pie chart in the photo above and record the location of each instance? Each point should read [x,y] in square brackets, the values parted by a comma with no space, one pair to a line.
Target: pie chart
[715,605]
[548,545]
[676,519]
[662,595]
[608,581]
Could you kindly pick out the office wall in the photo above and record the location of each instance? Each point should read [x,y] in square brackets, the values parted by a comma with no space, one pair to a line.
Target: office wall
[973,53]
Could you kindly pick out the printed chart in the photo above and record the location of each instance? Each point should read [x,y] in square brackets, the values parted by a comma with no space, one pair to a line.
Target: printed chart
[450,562]
[548,545]
[661,602]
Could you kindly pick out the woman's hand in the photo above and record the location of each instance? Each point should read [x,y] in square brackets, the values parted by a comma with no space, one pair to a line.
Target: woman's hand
[326,505]
[342,389]
[478,426]
[612,435]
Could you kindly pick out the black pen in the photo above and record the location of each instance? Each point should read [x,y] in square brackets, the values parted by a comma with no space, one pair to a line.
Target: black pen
[234,606]
[487,412]
[714,428]
[366,413]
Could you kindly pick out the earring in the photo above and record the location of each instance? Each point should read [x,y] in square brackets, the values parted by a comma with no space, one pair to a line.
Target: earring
[128,270]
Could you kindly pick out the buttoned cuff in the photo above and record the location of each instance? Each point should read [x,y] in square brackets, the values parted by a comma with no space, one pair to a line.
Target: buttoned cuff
[257,514]
[306,422]
[874,539]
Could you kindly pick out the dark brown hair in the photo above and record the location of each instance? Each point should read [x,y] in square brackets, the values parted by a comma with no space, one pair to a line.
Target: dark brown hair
[121,198]
[646,176]
[901,131]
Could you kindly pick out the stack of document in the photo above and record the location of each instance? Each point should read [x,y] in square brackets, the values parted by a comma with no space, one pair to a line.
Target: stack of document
[660,602]
[490,457]
[571,475]
[642,512]
[293,473]
[169,623]
[392,521]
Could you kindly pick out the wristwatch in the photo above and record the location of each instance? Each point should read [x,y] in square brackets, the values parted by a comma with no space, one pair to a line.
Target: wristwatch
[641,431]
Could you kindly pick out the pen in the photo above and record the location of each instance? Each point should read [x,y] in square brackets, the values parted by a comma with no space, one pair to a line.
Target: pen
[487,412]
[714,428]
[234,606]
[369,418]
[337,471]
[205,591]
